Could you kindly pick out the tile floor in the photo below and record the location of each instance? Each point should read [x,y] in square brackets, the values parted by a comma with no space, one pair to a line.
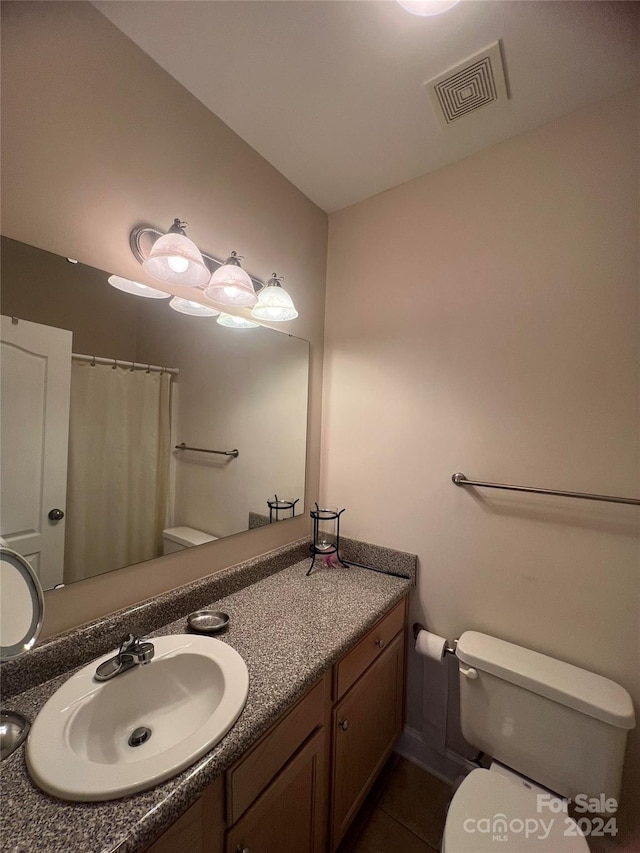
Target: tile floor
[404,812]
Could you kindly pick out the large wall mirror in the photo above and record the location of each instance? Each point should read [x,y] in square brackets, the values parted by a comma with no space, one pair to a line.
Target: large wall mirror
[99,387]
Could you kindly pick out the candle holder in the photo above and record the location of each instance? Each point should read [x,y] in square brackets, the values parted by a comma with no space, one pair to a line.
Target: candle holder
[279,507]
[326,534]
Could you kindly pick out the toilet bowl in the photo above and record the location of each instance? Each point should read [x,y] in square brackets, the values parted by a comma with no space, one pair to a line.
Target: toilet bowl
[178,538]
[498,809]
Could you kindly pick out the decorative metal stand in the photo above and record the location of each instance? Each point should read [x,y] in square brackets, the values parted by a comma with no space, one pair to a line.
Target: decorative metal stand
[281,505]
[322,544]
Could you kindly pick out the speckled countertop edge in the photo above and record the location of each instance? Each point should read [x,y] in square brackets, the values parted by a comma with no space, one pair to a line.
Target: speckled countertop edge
[289,628]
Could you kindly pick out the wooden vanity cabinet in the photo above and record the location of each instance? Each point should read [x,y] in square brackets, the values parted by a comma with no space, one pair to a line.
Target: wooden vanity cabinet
[366,725]
[368,719]
[200,828]
[277,792]
[289,817]
[297,789]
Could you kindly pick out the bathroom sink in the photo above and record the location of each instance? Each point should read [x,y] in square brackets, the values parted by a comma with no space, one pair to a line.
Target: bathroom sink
[103,740]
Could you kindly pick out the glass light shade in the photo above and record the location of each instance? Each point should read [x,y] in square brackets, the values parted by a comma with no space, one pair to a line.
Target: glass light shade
[427,7]
[236,322]
[230,285]
[136,288]
[275,304]
[175,259]
[194,309]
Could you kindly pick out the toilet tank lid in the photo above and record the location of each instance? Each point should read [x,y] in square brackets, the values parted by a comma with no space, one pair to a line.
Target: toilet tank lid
[187,536]
[562,682]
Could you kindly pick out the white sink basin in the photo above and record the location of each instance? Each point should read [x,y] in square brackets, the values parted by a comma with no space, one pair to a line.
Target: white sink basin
[188,696]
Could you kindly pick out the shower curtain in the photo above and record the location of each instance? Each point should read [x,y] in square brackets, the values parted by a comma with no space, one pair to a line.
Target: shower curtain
[119,442]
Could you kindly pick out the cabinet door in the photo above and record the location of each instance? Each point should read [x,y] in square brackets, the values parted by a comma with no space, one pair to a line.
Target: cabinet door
[366,724]
[288,817]
[200,829]
[256,769]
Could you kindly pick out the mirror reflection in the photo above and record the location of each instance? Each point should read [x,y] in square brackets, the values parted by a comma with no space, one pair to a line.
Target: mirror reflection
[110,406]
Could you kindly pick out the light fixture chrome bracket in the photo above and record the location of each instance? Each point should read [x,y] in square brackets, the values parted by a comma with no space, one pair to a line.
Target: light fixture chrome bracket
[142,238]
[178,227]
[234,260]
[274,281]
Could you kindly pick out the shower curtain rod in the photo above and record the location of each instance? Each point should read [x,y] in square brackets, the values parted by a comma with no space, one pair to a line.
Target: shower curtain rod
[460,480]
[133,365]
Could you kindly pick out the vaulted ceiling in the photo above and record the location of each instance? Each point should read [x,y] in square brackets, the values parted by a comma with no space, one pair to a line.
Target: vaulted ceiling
[331,92]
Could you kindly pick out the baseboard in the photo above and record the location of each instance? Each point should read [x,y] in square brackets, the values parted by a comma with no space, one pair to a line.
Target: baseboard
[446,766]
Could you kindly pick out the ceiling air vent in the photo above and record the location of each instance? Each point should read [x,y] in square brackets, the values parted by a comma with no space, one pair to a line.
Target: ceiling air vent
[469,86]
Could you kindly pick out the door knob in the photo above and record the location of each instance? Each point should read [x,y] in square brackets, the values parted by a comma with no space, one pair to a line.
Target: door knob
[343,724]
[55,514]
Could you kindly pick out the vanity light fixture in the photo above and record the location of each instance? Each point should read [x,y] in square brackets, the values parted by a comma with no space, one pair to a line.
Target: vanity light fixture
[221,283]
[194,309]
[427,8]
[230,285]
[234,322]
[274,303]
[137,288]
[175,259]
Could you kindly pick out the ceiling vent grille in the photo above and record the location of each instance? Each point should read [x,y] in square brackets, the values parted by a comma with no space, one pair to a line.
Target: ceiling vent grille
[469,86]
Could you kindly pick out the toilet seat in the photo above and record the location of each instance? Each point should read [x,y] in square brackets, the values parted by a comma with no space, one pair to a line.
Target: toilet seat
[490,805]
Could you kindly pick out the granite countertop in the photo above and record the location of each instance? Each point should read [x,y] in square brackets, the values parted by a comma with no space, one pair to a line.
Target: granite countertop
[289,629]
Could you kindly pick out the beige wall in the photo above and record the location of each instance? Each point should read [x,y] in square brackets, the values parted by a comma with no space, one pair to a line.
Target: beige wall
[484,319]
[96,139]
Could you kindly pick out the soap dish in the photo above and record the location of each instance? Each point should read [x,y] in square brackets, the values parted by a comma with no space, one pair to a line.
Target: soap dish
[207,621]
[14,729]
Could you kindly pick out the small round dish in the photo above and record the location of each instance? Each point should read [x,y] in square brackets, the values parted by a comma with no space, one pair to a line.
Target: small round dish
[207,621]
[14,729]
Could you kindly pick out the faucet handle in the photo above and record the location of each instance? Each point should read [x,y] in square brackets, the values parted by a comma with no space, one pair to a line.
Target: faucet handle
[128,641]
[135,650]
[133,640]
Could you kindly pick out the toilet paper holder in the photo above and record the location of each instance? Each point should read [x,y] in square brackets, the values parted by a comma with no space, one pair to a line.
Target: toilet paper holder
[449,648]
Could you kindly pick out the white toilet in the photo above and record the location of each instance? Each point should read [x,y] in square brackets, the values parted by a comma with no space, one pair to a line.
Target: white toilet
[178,538]
[562,727]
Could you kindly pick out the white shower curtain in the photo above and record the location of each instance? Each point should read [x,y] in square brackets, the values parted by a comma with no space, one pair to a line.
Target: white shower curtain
[119,442]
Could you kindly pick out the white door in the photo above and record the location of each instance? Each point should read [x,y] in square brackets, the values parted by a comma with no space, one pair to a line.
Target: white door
[35,383]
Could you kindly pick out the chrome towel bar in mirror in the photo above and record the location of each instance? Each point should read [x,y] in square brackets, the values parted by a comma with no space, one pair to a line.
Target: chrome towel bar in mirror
[235,453]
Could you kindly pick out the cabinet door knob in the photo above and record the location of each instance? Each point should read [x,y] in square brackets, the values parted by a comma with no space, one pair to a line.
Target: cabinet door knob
[343,724]
[241,849]
[380,644]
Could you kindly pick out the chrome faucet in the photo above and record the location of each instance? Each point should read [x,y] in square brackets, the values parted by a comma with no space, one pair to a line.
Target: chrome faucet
[132,652]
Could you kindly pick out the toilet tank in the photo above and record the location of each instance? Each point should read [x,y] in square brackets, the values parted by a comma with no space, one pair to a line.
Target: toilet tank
[178,538]
[560,725]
